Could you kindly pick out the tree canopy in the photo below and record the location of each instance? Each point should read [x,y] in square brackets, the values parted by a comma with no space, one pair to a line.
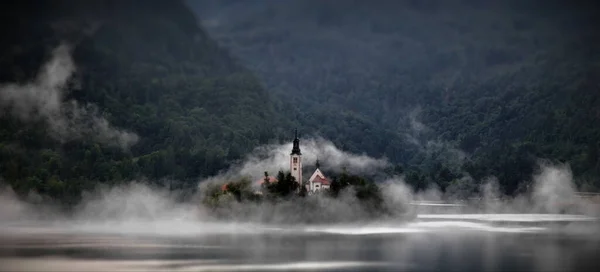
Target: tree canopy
[443,89]
[150,69]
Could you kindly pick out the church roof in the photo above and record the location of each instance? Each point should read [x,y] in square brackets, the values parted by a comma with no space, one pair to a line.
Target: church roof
[318,177]
[324,181]
[316,174]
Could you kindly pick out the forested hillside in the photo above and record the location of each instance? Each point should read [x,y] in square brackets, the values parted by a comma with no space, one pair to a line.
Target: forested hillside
[449,89]
[142,69]
[451,92]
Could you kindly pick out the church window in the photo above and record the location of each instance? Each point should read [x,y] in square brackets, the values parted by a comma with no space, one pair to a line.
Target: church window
[295,160]
[294,169]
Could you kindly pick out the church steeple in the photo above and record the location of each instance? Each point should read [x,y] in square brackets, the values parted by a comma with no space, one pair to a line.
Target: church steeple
[296,146]
[296,160]
[317,164]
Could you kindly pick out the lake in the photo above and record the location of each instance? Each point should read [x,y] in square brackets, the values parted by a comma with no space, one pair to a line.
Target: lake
[476,242]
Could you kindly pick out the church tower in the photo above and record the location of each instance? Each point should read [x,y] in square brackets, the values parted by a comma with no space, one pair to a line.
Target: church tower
[296,160]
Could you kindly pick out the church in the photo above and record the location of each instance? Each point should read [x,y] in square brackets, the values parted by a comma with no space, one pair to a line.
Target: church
[317,181]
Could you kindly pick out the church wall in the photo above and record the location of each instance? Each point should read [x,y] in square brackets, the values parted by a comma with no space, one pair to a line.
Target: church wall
[296,167]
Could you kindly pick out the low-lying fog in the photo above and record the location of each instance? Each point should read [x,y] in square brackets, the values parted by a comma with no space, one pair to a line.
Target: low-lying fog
[139,207]
[137,227]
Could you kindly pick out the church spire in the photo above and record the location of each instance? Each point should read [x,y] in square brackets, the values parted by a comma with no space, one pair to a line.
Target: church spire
[296,146]
[296,160]
[317,164]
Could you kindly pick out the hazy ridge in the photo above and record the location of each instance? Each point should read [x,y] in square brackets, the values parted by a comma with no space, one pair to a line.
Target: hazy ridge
[450,95]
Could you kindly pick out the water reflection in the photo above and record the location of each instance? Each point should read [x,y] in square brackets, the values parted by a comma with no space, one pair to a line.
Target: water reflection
[418,246]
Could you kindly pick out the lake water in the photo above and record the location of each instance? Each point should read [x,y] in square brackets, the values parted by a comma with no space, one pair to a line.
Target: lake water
[432,242]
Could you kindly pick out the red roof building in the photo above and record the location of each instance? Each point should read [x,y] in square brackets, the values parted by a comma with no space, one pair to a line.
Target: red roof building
[318,182]
[262,180]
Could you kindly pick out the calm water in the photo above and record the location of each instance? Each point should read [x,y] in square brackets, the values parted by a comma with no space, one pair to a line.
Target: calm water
[443,243]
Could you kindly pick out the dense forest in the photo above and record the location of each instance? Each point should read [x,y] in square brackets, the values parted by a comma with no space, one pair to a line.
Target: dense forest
[449,91]
[149,69]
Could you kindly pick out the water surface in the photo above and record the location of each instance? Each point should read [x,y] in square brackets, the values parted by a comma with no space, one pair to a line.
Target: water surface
[474,242]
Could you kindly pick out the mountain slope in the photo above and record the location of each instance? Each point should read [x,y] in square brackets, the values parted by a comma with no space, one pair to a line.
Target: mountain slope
[502,82]
[145,70]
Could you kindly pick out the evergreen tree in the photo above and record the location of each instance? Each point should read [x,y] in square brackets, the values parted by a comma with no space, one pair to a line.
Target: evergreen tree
[303,191]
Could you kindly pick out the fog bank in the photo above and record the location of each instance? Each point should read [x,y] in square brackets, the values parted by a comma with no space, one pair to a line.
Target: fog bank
[137,206]
[43,100]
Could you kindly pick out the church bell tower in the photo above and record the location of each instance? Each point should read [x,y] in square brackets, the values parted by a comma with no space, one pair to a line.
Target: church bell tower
[296,160]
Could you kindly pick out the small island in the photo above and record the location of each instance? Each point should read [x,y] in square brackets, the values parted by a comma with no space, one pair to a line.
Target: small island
[314,196]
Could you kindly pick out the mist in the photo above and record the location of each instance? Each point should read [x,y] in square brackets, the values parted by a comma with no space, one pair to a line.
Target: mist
[43,100]
[273,158]
[135,136]
[138,219]
[137,207]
